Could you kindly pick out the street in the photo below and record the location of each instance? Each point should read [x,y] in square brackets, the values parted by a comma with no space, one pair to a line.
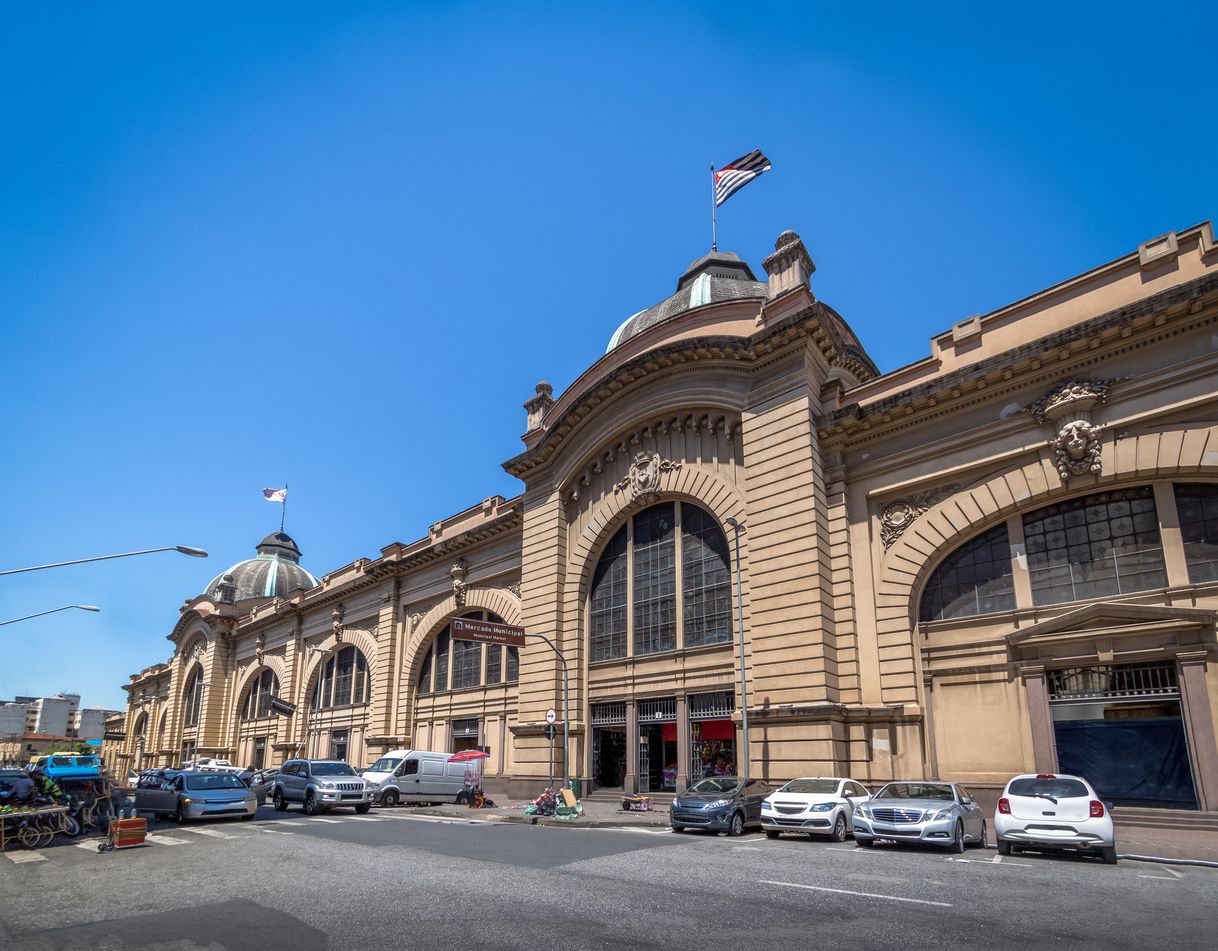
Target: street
[393,879]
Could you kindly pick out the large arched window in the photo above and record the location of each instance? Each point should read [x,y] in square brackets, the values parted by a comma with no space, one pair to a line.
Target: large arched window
[973,579]
[1197,509]
[258,700]
[193,695]
[454,664]
[662,582]
[1095,546]
[141,728]
[343,680]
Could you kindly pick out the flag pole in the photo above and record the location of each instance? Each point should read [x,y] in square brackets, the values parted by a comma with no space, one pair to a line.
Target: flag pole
[714,235]
[283,514]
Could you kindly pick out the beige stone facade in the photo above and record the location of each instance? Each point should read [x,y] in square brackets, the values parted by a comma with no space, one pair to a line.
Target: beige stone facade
[993,560]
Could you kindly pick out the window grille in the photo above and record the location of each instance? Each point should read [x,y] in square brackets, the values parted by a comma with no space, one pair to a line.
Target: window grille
[655,580]
[1113,682]
[1197,509]
[974,579]
[494,663]
[608,714]
[653,711]
[712,706]
[465,728]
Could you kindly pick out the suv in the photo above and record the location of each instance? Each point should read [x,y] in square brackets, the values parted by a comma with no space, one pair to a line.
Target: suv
[320,784]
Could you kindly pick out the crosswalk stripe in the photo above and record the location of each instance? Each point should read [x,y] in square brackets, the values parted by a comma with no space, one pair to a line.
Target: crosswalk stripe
[20,857]
[91,846]
[286,822]
[363,818]
[320,819]
[276,831]
[160,839]
[211,832]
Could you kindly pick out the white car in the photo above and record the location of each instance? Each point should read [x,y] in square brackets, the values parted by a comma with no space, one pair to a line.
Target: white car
[813,805]
[1046,811]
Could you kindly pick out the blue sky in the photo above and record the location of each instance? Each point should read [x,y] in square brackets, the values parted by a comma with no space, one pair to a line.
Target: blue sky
[338,244]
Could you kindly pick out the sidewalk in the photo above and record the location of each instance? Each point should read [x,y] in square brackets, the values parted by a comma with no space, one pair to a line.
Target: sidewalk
[1183,845]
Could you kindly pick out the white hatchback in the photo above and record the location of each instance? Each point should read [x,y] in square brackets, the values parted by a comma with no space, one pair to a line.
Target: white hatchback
[814,806]
[1046,811]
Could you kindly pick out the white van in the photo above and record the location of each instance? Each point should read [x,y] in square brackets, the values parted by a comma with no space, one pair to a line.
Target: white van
[417,776]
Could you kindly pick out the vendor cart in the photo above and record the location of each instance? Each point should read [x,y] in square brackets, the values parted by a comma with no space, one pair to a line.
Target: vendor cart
[32,826]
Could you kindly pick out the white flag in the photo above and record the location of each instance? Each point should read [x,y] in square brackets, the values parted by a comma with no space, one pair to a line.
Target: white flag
[275,495]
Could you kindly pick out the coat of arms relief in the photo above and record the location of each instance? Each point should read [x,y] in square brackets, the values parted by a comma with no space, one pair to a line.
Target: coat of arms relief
[643,477]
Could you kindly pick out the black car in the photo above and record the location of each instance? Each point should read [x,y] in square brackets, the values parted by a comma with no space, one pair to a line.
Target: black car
[720,803]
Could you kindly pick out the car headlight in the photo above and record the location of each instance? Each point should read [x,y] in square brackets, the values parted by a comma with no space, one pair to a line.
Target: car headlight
[943,814]
[326,785]
[824,806]
[718,804]
[766,807]
[864,811]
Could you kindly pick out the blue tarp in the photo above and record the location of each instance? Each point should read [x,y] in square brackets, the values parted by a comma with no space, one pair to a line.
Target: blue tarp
[1134,762]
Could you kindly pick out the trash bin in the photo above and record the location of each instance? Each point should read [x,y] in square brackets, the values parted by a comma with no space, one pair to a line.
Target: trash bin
[575,788]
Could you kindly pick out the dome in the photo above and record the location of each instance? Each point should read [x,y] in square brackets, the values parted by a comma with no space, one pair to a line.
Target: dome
[715,277]
[275,573]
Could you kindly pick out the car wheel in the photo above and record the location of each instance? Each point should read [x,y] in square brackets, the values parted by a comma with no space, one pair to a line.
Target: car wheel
[865,842]
[981,843]
[771,834]
[310,805]
[280,804]
[249,818]
[678,828]
[1109,855]
[1004,847]
[389,797]
[462,798]
[736,828]
[179,817]
[957,845]
[363,808]
[839,828]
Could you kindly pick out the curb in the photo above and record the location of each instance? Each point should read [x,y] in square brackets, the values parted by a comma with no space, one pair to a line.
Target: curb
[1161,860]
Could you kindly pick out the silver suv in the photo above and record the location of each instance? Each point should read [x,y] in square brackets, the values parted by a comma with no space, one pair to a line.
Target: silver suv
[320,784]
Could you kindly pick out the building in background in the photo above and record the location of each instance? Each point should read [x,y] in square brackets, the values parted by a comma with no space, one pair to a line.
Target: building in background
[30,725]
[1000,558]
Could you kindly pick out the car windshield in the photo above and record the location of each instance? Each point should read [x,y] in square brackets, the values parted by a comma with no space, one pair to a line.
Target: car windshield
[61,761]
[934,791]
[332,769]
[817,787]
[715,784]
[214,781]
[1059,787]
[386,764]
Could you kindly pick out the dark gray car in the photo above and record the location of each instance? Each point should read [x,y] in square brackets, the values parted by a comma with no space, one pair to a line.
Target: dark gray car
[720,803]
[319,785]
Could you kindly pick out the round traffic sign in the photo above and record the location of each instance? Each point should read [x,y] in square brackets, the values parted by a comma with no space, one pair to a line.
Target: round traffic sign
[551,716]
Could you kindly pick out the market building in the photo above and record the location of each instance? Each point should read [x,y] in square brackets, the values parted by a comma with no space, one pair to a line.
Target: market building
[1002,557]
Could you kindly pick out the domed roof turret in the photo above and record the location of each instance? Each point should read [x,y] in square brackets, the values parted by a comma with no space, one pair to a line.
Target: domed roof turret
[714,277]
[275,573]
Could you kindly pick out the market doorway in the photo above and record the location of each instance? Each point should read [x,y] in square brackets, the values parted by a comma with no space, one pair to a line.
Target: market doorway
[658,757]
[608,757]
[712,735]
[1121,728]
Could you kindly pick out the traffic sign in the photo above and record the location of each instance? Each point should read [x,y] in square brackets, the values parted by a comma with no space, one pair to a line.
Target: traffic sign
[489,632]
[550,733]
[551,716]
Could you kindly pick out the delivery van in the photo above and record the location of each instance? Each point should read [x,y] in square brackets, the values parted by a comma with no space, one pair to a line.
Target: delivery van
[416,776]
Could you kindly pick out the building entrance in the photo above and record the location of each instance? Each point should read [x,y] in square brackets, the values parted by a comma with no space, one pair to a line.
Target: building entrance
[608,745]
[657,745]
[712,735]
[1121,728]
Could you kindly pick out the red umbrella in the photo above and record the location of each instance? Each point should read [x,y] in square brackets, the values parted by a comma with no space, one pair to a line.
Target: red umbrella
[468,756]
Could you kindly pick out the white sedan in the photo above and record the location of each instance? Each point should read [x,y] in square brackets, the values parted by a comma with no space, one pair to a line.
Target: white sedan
[814,806]
[1045,811]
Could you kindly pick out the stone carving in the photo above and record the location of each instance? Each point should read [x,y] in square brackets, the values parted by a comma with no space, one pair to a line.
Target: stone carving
[897,516]
[513,588]
[197,652]
[415,618]
[458,572]
[1076,440]
[260,650]
[336,623]
[643,478]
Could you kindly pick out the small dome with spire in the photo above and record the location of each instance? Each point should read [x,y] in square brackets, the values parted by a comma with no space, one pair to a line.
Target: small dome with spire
[274,573]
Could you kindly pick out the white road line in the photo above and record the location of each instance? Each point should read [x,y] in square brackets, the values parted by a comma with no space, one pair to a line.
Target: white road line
[275,831]
[991,862]
[161,839]
[320,819]
[20,857]
[843,891]
[362,818]
[291,822]
[211,832]
[91,846]
[855,851]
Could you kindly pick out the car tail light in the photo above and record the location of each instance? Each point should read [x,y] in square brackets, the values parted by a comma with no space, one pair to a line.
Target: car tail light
[1004,806]
[1097,809]
[1045,776]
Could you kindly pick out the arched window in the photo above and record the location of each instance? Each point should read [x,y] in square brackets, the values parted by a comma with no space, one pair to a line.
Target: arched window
[1095,546]
[343,680]
[973,579]
[258,700]
[1197,508]
[676,555]
[193,701]
[160,729]
[462,659]
[141,727]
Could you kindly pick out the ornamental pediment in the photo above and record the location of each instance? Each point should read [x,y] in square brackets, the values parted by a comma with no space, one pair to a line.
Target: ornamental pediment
[1111,619]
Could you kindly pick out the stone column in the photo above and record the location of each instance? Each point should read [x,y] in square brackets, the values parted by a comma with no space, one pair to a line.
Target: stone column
[1044,748]
[630,783]
[683,749]
[1169,528]
[1199,726]
[932,748]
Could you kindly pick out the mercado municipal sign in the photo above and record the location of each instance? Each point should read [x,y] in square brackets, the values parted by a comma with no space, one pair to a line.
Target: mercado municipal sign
[490,632]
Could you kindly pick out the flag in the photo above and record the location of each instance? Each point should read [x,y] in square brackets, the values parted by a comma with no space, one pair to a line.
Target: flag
[735,175]
[275,495]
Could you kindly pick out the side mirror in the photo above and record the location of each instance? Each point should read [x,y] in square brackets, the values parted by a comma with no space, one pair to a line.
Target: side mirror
[966,801]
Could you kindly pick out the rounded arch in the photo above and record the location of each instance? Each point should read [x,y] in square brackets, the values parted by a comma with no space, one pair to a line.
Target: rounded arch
[192,696]
[496,600]
[161,727]
[194,646]
[311,682]
[257,679]
[140,730]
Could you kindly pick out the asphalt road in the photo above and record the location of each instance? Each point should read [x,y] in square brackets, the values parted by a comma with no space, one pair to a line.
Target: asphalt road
[395,880]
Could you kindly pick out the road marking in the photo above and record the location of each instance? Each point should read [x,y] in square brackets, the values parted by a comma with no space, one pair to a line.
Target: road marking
[362,818]
[161,839]
[854,851]
[292,822]
[275,831]
[320,819]
[211,832]
[843,891]
[1172,876]
[20,857]
[990,862]
[91,846]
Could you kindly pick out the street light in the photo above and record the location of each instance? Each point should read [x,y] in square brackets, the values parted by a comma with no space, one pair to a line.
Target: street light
[193,552]
[66,607]
[315,732]
[744,697]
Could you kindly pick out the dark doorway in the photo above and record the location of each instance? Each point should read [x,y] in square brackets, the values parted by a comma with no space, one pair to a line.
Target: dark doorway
[608,756]
[658,768]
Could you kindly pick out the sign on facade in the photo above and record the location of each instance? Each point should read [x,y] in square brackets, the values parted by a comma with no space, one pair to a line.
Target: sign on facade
[551,716]
[489,632]
[282,707]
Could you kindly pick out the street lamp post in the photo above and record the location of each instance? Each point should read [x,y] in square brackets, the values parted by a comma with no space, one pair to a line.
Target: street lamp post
[184,549]
[315,732]
[737,528]
[66,607]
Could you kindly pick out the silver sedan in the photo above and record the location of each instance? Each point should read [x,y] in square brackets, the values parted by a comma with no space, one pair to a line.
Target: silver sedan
[921,811]
[197,795]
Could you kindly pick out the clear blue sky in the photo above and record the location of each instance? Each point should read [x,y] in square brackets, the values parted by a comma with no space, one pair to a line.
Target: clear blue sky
[337,244]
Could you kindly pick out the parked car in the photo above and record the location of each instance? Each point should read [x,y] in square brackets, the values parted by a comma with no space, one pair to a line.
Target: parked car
[59,766]
[720,803]
[197,795]
[1045,811]
[261,788]
[416,776]
[206,764]
[814,806]
[921,811]
[156,778]
[319,785]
